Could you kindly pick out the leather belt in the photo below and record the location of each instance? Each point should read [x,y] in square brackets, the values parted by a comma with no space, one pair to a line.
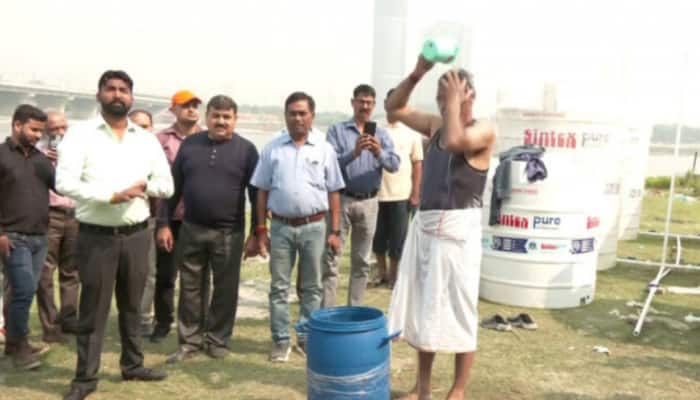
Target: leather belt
[114,230]
[299,221]
[359,196]
[69,212]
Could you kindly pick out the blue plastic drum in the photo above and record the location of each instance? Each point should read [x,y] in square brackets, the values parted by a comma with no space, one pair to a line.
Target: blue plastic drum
[348,354]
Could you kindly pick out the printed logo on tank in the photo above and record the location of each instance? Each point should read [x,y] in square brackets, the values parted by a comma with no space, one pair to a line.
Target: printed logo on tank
[538,222]
[567,139]
[517,245]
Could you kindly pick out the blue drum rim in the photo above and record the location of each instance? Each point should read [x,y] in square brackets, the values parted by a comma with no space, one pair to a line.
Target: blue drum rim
[319,320]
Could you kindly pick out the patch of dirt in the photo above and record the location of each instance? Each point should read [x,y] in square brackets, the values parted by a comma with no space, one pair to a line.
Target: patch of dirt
[253,299]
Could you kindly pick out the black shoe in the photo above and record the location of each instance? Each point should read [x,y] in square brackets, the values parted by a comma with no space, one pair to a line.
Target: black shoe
[144,374]
[217,352]
[78,393]
[160,332]
[523,321]
[70,327]
[497,322]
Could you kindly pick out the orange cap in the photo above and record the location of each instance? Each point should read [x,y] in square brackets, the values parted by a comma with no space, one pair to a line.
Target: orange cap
[183,97]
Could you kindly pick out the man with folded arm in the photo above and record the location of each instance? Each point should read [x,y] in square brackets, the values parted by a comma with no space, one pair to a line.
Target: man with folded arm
[110,167]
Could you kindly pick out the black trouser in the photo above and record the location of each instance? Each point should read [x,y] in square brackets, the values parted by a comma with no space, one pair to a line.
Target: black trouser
[392,225]
[104,258]
[199,249]
[166,274]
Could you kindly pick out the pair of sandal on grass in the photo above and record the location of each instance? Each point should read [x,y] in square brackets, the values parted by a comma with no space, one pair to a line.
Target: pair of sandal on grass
[498,323]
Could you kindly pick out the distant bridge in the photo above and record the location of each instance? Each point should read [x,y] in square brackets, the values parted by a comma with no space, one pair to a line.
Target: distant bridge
[75,104]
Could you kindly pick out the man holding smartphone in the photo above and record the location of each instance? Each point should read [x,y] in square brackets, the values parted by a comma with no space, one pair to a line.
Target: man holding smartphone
[363,151]
[62,236]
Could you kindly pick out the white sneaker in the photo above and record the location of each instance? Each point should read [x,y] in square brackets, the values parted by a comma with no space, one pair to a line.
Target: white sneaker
[279,352]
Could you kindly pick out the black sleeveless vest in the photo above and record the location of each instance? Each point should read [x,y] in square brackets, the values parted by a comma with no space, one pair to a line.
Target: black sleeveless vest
[449,182]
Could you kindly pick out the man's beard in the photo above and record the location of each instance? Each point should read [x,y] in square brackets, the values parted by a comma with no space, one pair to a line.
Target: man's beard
[115,109]
[25,142]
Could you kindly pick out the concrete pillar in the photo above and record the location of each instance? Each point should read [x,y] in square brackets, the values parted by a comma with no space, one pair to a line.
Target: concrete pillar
[389,52]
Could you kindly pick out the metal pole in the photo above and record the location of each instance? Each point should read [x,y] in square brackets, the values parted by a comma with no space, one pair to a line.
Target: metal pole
[647,263]
[695,160]
[669,208]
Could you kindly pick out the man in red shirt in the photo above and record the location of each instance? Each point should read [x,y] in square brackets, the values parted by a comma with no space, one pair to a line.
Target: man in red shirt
[62,235]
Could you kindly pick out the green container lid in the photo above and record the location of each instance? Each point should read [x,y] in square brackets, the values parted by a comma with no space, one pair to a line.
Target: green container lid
[442,50]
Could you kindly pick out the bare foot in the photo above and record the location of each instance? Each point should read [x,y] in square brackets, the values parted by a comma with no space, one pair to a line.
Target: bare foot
[415,395]
[455,395]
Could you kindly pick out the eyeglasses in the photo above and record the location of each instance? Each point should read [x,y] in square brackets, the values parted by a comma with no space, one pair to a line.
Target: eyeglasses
[364,102]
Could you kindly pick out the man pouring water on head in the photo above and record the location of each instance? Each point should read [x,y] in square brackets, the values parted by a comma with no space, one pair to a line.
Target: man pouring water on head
[434,302]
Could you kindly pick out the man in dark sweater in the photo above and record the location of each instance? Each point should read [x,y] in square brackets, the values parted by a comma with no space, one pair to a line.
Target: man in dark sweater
[26,176]
[211,173]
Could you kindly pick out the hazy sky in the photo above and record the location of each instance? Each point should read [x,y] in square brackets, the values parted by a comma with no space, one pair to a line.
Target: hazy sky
[621,57]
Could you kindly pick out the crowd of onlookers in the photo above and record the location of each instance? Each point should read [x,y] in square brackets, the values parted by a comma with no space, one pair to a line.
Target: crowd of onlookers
[118,210]
[126,210]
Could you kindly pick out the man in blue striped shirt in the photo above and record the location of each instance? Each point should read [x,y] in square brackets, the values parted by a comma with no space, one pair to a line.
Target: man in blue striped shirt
[298,180]
[363,152]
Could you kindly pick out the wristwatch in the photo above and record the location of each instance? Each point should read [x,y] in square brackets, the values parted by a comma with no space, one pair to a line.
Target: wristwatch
[336,232]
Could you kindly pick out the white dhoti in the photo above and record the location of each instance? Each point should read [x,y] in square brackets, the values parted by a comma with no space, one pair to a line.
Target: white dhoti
[434,302]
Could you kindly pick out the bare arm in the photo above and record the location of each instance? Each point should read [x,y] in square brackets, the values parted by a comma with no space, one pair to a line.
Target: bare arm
[397,107]
[334,205]
[262,240]
[261,207]
[473,138]
[416,176]
[333,240]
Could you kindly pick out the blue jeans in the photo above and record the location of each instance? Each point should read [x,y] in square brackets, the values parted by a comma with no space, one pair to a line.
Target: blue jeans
[286,241]
[23,270]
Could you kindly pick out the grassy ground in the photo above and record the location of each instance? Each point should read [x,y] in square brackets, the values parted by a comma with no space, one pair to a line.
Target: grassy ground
[554,363]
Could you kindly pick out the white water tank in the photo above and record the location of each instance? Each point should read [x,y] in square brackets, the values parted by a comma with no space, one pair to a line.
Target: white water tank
[635,155]
[594,147]
[544,251]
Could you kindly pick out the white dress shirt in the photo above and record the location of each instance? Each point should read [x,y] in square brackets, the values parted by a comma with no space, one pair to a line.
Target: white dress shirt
[93,165]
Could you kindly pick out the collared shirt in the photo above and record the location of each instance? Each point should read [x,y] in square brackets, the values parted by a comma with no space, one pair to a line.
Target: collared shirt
[24,183]
[55,199]
[212,177]
[93,164]
[298,179]
[396,186]
[171,140]
[363,174]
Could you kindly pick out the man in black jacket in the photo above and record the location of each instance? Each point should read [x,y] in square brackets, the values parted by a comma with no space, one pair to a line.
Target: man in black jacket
[26,175]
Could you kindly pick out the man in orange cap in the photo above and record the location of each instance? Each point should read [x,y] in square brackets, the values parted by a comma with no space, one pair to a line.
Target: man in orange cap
[185,107]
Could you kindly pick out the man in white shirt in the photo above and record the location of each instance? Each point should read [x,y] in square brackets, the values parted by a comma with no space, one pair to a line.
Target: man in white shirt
[110,167]
[399,193]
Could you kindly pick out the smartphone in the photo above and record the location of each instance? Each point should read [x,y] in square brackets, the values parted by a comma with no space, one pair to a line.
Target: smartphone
[54,141]
[370,128]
